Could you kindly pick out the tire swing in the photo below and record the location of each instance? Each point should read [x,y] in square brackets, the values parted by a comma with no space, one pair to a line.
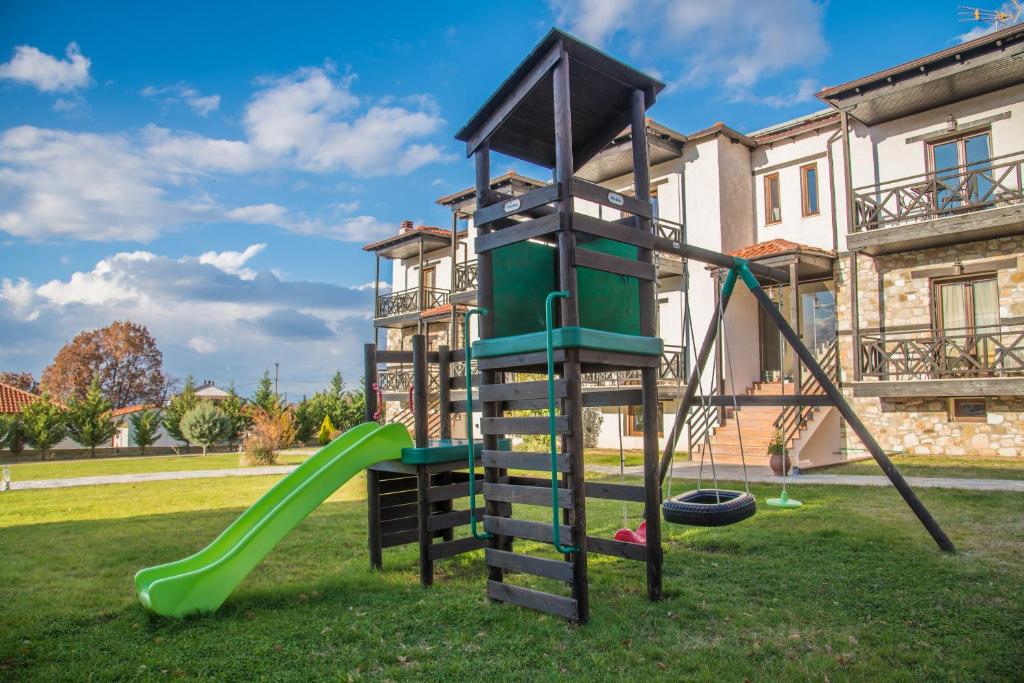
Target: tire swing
[711,507]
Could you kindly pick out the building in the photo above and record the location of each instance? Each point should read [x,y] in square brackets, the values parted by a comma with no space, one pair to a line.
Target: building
[13,399]
[898,213]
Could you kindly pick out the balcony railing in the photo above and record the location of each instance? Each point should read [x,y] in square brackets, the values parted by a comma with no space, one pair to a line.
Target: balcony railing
[961,189]
[410,301]
[669,229]
[995,351]
[670,370]
[399,379]
[465,276]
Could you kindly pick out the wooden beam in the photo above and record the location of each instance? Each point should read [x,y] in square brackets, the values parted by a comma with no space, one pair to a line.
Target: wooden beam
[518,390]
[512,206]
[526,597]
[542,532]
[522,425]
[616,200]
[528,83]
[617,230]
[522,460]
[587,258]
[559,570]
[520,232]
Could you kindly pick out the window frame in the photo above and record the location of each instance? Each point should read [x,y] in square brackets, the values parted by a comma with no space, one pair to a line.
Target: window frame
[630,417]
[955,416]
[938,324]
[805,195]
[768,178]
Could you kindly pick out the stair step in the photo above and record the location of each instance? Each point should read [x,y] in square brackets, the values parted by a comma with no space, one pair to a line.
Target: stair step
[530,495]
[538,600]
[559,569]
[522,425]
[541,532]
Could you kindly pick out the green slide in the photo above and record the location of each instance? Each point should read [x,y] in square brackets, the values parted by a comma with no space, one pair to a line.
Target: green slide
[202,582]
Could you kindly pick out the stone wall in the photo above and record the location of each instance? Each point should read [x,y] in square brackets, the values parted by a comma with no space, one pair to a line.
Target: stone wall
[923,426]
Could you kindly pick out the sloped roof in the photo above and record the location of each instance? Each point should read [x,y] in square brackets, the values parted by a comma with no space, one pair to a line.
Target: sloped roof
[776,247]
[128,410]
[13,399]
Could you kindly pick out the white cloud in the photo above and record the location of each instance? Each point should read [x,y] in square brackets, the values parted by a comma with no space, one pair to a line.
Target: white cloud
[135,185]
[805,90]
[234,261]
[733,42]
[185,94]
[208,315]
[33,67]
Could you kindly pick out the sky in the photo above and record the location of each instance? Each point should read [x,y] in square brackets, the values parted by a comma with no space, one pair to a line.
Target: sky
[212,170]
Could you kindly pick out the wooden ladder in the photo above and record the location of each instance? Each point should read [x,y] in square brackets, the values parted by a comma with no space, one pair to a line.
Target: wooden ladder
[501,491]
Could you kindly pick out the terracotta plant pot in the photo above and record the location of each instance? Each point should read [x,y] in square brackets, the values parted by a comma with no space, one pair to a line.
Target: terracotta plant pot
[780,464]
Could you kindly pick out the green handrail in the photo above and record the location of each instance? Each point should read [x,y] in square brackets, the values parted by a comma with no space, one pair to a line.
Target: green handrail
[471,446]
[552,431]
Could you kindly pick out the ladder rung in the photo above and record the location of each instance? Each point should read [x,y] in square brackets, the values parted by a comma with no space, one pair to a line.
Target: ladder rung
[529,495]
[533,531]
[609,546]
[522,425]
[516,360]
[538,600]
[559,569]
[440,551]
[449,520]
[521,390]
[520,460]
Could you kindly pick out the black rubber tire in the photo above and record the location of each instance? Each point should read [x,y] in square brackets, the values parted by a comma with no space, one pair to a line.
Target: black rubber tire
[700,508]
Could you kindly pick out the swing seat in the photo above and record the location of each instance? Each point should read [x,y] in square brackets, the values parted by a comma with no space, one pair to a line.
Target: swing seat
[709,507]
[629,536]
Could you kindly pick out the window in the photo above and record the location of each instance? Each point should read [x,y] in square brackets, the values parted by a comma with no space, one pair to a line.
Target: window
[809,189]
[962,167]
[967,316]
[635,420]
[969,410]
[772,199]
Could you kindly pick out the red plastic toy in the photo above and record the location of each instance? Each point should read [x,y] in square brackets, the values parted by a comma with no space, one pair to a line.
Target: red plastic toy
[629,536]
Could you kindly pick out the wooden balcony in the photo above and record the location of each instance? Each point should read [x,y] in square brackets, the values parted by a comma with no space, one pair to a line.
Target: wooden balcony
[967,203]
[404,307]
[671,371]
[465,283]
[966,362]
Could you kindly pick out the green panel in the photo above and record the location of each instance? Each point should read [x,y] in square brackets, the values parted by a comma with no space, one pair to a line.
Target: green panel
[608,301]
[569,338]
[524,273]
[447,450]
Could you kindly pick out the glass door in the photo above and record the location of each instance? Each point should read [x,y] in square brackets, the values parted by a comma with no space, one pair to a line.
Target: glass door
[968,316]
[962,171]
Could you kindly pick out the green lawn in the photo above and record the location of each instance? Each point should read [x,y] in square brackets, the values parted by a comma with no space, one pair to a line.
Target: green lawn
[937,466]
[849,587]
[58,469]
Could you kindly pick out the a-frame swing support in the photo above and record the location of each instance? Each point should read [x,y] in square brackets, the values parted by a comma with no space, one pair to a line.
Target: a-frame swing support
[740,269]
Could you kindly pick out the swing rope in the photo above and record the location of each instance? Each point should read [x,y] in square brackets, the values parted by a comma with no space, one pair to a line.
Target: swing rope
[735,404]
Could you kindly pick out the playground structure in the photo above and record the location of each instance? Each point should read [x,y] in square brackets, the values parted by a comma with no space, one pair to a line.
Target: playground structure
[561,293]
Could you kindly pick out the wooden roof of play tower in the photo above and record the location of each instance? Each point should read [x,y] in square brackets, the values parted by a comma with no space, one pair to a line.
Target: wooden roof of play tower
[519,118]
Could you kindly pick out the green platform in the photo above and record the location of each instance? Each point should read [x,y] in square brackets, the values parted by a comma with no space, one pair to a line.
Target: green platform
[569,338]
[446,450]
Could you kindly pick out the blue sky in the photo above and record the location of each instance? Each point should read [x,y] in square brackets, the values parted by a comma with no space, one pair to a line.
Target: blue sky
[212,170]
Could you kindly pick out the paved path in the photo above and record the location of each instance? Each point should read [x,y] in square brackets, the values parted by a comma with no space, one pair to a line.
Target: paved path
[763,475]
[760,475]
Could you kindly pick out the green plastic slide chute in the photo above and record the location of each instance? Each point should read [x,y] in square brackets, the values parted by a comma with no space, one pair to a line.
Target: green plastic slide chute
[202,582]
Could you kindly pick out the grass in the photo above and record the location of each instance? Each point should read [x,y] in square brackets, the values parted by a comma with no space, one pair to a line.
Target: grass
[610,457]
[848,588]
[938,466]
[59,469]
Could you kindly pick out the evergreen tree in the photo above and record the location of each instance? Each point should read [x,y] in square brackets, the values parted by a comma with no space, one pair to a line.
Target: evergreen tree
[206,424]
[89,421]
[12,433]
[264,396]
[44,423]
[182,402]
[306,423]
[236,410]
[145,428]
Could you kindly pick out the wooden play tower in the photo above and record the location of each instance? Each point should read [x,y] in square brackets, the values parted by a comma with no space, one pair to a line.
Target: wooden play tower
[558,109]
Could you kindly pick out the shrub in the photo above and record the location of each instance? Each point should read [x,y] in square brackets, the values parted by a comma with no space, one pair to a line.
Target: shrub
[145,428]
[271,431]
[326,429]
[180,403]
[12,433]
[206,424]
[592,419]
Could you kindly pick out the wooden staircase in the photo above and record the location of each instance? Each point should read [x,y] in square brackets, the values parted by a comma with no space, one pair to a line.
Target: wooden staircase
[408,418]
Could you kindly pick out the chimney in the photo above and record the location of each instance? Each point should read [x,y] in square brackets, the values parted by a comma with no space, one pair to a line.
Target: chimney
[406,225]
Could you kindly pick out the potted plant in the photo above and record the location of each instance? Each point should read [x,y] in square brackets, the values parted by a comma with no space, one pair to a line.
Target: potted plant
[779,461]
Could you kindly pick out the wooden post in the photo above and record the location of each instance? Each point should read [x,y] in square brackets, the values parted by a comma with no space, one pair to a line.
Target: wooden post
[794,307]
[444,390]
[373,518]
[420,437]
[648,376]
[369,380]
[376,285]
[855,315]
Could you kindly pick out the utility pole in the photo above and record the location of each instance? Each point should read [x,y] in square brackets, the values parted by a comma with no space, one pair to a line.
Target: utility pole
[277,367]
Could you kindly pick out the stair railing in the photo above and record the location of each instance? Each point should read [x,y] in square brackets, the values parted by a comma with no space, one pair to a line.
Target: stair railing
[792,419]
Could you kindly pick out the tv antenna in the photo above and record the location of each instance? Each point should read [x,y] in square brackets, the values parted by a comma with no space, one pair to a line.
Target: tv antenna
[1008,14]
